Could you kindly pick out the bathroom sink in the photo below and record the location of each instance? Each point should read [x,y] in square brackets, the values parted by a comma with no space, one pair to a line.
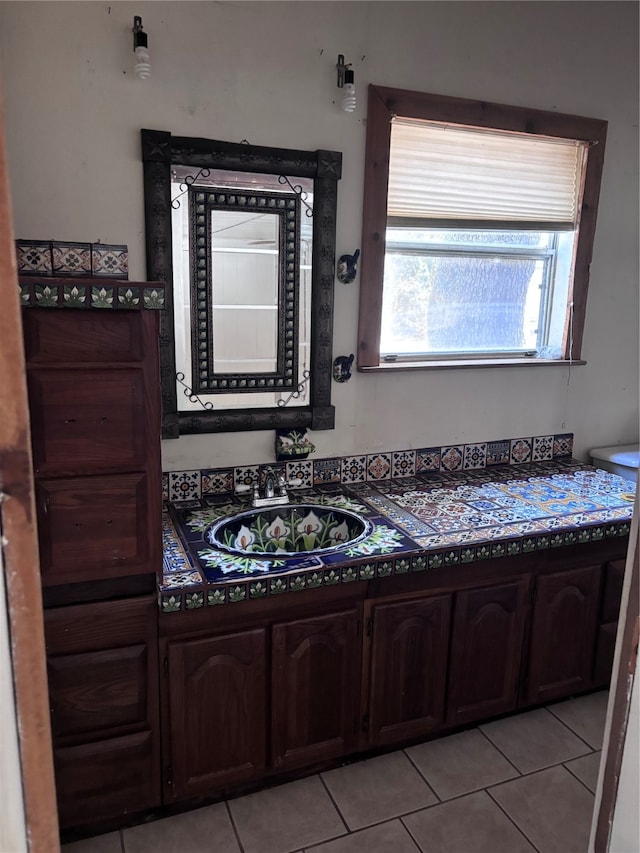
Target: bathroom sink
[288,530]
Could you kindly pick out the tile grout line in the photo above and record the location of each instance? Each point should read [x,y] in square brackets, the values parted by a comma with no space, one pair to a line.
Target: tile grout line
[497,748]
[335,805]
[422,776]
[121,834]
[577,777]
[511,820]
[411,836]
[573,731]
[234,827]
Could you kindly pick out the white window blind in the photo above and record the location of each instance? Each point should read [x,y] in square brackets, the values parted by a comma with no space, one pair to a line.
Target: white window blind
[457,175]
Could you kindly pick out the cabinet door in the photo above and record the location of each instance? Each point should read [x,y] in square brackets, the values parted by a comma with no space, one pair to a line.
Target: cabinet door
[315,689]
[408,668]
[563,634]
[217,708]
[486,650]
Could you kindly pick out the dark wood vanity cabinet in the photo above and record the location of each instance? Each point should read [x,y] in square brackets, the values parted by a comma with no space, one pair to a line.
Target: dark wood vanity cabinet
[408,669]
[103,692]
[315,672]
[607,628]
[486,650]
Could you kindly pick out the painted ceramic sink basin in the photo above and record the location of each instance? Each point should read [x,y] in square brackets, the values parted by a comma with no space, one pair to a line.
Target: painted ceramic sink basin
[288,530]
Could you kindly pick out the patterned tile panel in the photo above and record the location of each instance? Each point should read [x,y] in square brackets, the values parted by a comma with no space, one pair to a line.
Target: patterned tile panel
[451,458]
[379,466]
[520,451]
[33,257]
[354,469]
[86,293]
[71,259]
[404,463]
[475,456]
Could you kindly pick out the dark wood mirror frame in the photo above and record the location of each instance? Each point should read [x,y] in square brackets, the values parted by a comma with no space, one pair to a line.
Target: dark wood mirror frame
[161,150]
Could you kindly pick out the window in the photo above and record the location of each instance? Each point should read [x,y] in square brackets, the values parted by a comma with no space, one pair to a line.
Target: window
[477,231]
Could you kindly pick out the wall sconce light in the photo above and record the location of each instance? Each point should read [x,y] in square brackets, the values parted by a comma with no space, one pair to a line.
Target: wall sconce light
[142,65]
[346,82]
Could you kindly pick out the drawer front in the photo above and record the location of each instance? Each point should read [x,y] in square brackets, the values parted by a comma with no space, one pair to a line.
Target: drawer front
[77,337]
[92,527]
[85,420]
[92,692]
[613,579]
[106,779]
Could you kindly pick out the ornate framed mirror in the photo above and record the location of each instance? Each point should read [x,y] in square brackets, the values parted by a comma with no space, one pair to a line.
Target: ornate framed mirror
[244,238]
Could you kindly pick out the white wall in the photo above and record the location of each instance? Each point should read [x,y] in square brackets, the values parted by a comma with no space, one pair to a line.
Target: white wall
[265,71]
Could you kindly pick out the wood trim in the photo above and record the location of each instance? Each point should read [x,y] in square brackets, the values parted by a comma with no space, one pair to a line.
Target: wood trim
[385,103]
[466,364]
[20,552]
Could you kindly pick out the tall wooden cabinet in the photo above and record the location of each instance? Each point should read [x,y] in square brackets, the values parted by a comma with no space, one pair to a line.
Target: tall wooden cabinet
[93,382]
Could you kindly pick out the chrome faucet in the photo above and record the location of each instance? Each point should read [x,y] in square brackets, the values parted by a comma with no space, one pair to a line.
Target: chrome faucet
[270,496]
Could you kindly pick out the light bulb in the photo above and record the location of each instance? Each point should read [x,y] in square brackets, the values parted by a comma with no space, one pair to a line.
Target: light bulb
[142,66]
[349,96]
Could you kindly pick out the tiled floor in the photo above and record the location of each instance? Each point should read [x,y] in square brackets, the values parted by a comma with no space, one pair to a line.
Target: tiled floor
[518,785]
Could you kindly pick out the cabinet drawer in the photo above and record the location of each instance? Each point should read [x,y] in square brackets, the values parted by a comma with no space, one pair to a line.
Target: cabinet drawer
[77,337]
[92,692]
[106,779]
[96,527]
[612,592]
[87,420]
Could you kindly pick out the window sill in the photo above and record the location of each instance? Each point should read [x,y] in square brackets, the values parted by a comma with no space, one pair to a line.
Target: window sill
[453,364]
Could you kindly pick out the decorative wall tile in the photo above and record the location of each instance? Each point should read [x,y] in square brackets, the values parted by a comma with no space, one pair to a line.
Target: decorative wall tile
[326,471]
[379,466]
[74,296]
[217,596]
[165,487]
[153,297]
[129,297]
[109,261]
[542,448]
[46,296]
[498,452]
[428,459]
[244,477]
[520,451]
[301,470]
[563,445]
[354,469]
[71,259]
[403,463]
[451,458]
[33,257]
[216,481]
[475,456]
[184,485]
[102,297]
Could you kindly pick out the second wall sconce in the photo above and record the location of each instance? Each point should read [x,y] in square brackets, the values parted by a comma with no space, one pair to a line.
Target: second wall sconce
[142,66]
[346,81]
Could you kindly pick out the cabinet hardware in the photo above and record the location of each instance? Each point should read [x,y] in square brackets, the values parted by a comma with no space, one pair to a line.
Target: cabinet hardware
[169,773]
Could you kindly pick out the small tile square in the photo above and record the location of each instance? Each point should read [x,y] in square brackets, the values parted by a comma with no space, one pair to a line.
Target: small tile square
[427,459]
[165,487]
[451,458]
[102,297]
[299,474]
[475,456]
[563,445]
[129,297]
[379,466]
[354,469]
[542,448]
[109,260]
[46,296]
[71,259]
[153,298]
[244,478]
[184,485]
[498,452]
[74,296]
[520,451]
[33,257]
[403,463]
[326,471]
[216,481]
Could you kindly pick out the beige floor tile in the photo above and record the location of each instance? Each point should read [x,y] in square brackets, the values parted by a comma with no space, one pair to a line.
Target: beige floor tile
[586,769]
[471,824]
[534,740]
[286,818]
[552,808]
[585,716]
[199,831]
[389,837]
[461,763]
[109,843]
[378,789]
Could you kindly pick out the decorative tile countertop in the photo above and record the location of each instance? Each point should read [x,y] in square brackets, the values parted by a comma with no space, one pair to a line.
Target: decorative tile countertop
[417,523]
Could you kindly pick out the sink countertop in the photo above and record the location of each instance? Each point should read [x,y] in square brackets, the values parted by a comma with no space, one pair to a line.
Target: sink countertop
[419,523]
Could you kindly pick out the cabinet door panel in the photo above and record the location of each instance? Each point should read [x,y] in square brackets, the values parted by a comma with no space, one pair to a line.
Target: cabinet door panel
[605,649]
[408,668]
[94,691]
[217,705]
[87,420]
[612,590]
[486,650]
[98,336]
[563,634]
[94,527]
[106,779]
[314,689]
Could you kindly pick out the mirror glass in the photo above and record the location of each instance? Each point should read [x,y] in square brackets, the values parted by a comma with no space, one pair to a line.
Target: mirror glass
[243,238]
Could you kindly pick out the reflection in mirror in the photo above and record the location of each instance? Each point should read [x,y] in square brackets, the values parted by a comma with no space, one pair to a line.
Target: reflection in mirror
[242,277]
[243,237]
